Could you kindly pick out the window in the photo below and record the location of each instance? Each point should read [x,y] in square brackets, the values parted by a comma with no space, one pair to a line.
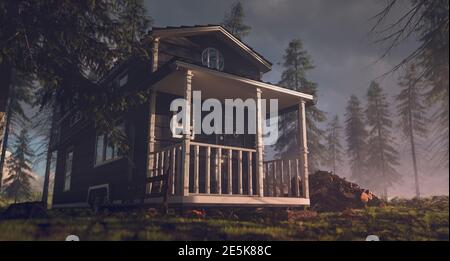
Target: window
[68,169]
[123,79]
[213,59]
[105,149]
[118,81]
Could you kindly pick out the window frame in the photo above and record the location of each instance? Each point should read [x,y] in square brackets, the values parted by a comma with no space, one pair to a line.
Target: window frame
[217,66]
[121,76]
[115,155]
[68,174]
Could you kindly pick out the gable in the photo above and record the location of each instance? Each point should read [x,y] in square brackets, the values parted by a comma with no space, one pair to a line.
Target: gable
[189,43]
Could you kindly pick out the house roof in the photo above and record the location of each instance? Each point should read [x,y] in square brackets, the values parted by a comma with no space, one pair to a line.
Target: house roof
[196,29]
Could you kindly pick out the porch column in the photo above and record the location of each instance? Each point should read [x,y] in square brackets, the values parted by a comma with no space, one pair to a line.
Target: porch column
[155,48]
[259,145]
[303,148]
[152,112]
[185,149]
[151,131]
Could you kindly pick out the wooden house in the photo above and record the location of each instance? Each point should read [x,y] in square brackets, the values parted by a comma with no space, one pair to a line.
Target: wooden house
[187,170]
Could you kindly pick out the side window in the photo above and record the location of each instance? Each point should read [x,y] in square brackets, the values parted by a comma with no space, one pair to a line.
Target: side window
[123,79]
[68,169]
[105,149]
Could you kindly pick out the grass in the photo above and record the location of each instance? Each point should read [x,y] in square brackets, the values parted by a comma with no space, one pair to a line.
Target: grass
[400,220]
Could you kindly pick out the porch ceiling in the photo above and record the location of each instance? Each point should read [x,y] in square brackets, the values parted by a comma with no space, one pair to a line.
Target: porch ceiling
[219,85]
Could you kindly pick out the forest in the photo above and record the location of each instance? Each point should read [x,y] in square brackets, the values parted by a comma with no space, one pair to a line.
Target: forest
[49,51]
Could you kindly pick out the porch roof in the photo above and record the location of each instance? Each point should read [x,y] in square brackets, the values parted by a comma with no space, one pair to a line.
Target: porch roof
[221,85]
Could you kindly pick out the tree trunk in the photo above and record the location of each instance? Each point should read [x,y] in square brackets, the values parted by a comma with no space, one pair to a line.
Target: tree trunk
[5,86]
[47,175]
[48,163]
[416,173]
[16,193]
[5,144]
[413,150]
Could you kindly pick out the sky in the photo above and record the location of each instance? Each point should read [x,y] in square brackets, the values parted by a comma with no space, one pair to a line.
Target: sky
[336,35]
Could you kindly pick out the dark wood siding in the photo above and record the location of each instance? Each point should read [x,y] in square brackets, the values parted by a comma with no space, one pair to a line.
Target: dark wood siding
[190,49]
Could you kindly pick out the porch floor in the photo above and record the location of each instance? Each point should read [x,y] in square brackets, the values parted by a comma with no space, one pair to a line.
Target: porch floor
[232,200]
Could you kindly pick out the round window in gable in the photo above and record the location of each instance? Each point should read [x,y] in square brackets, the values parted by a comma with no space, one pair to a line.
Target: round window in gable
[213,59]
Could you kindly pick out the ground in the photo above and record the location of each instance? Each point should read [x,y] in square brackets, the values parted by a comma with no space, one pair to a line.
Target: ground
[426,219]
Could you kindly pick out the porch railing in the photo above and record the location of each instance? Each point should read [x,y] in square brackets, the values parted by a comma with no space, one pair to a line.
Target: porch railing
[165,162]
[282,178]
[214,169]
[222,170]
[219,169]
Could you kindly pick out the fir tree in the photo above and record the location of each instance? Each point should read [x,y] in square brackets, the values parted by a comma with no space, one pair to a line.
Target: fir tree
[382,155]
[356,138]
[234,21]
[296,64]
[69,45]
[427,21]
[334,146]
[412,115]
[20,94]
[18,183]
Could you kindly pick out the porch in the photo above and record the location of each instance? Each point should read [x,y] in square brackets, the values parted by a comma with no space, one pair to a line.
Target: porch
[190,172]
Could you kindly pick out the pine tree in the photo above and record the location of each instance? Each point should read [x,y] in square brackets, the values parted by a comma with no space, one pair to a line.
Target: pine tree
[382,155]
[334,146]
[356,138]
[234,21]
[412,114]
[45,130]
[427,21]
[296,64]
[20,94]
[434,61]
[18,183]
[69,45]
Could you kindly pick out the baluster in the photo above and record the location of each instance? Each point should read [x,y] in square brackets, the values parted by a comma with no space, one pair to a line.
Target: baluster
[179,185]
[250,173]
[208,170]
[265,180]
[156,164]
[274,178]
[230,172]
[161,170]
[289,179]
[297,188]
[281,179]
[196,168]
[240,172]
[172,169]
[219,171]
